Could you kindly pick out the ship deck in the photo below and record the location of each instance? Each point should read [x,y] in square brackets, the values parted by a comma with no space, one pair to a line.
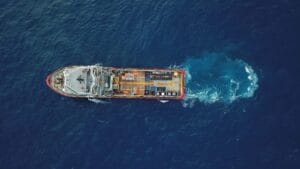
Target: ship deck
[142,85]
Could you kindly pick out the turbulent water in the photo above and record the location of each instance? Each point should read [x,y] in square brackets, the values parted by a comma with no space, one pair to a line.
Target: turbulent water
[98,101]
[215,77]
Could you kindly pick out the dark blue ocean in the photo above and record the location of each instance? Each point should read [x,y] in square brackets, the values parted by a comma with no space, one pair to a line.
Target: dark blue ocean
[241,111]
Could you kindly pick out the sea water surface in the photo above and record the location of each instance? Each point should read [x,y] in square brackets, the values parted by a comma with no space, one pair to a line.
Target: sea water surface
[242,84]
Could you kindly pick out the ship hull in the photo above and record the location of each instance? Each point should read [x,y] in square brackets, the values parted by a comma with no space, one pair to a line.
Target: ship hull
[117,83]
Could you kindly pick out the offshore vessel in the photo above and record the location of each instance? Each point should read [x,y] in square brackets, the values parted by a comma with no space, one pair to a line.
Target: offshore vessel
[99,82]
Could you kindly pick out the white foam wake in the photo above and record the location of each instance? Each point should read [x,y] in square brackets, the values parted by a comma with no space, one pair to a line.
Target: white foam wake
[216,77]
[98,101]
